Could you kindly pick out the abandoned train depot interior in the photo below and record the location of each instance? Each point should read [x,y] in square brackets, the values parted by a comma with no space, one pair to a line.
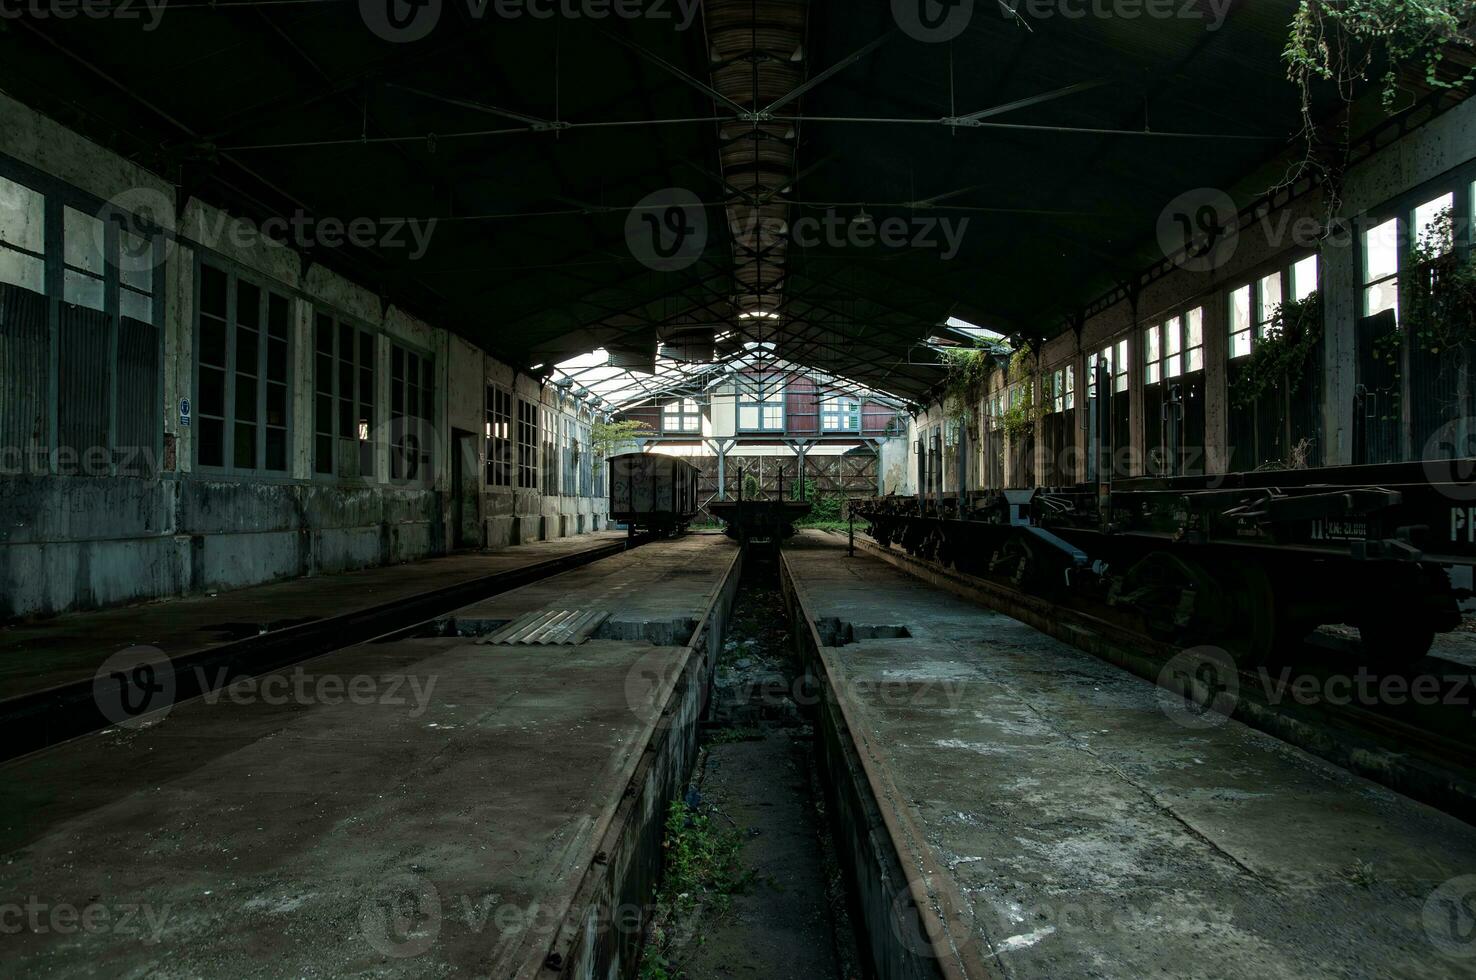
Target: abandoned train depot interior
[738,489]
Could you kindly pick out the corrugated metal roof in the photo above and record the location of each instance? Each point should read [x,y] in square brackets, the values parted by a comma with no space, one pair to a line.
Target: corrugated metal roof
[549,627]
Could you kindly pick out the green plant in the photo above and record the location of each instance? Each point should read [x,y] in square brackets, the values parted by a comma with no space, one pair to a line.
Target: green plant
[702,875]
[1281,354]
[1338,42]
[968,374]
[608,438]
[1440,297]
[1021,413]
[750,486]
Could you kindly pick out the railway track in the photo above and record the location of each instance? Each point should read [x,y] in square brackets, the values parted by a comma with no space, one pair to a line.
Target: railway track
[1417,742]
[36,720]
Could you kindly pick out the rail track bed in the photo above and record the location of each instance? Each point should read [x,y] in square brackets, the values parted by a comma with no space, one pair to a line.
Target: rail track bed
[1015,806]
[481,794]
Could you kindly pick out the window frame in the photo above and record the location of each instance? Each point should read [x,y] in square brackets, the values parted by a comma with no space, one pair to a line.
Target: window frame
[1107,353]
[427,459]
[377,427]
[1063,389]
[1176,352]
[683,415]
[548,449]
[750,396]
[1460,183]
[1284,270]
[527,469]
[56,195]
[234,275]
[501,469]
[834,418]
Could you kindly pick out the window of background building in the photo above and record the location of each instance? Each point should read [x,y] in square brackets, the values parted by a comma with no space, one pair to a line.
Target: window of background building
[1381,268]
[1063,389]
[761,403]
[1174,348]
[22,236]
[682,415]
[1253,306]
[77,294]
[840,413]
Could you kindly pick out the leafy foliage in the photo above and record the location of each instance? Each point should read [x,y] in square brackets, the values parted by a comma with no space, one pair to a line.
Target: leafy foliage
[968,374]
[1338,42]
[1440,302]
[1280,358]
[702,876]
[609,438]
[1437,307]
[825,508]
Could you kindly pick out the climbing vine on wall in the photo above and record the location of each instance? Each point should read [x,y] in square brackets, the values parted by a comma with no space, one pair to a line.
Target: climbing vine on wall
[1336,44]
[1021,414]
[1440,298]
[1282,355]
[968,374]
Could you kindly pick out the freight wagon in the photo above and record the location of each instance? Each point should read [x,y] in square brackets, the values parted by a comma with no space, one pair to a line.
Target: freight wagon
[652,493]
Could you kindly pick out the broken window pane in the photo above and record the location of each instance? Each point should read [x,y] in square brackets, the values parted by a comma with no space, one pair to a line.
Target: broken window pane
[1434,226]
[82,289]
[22,217]
[82,241]
[1304,278]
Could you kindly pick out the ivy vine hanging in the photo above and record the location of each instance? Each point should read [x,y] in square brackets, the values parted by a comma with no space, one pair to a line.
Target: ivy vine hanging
[1337,43]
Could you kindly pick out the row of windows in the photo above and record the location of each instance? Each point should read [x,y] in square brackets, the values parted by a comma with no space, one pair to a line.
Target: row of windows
[79,288]
[761,409]
[243,408]
[1392,248]
[548,444]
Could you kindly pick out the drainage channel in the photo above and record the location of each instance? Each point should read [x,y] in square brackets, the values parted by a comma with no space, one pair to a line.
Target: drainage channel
[752,886]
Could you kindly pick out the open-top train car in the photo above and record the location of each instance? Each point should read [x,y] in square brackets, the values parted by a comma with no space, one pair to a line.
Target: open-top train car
[1251,561]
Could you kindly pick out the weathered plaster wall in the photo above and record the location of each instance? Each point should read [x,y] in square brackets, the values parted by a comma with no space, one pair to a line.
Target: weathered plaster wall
[80,542]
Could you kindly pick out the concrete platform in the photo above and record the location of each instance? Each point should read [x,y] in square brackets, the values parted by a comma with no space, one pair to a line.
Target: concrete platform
[410,807]
[51,652]
[1042,814]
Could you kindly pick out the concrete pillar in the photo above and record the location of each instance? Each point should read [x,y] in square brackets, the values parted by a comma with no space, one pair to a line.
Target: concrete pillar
[302,346]
[1342,303]
[179,353]
[720,448]
[1216,383]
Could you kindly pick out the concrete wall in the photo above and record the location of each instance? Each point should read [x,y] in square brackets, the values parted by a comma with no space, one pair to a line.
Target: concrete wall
[88,541]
